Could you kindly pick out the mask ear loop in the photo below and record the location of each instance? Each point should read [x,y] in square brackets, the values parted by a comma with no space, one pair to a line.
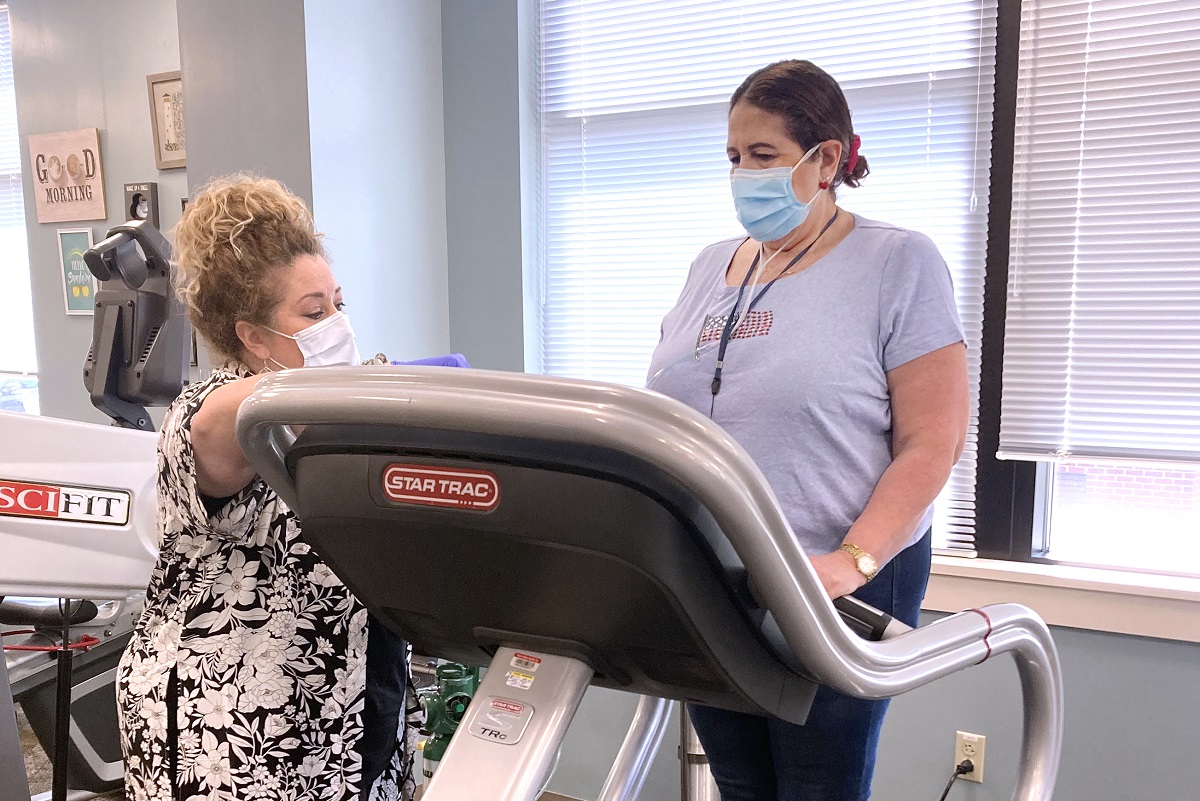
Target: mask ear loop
[266,368]
[824,184]
[807,155]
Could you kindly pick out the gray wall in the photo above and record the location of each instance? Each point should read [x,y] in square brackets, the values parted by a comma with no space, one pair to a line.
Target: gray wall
[481,87]
[591,745]
[1132,717]
[378,167]
[1132,713]
[246,90]
[81,64]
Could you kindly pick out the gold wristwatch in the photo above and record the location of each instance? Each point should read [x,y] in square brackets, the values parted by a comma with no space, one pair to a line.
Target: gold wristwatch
[863,561]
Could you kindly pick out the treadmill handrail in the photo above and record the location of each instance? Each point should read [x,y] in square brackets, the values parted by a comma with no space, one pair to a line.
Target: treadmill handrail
[702,457]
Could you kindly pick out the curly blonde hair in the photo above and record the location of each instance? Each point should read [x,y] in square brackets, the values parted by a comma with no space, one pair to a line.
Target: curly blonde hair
[231,241]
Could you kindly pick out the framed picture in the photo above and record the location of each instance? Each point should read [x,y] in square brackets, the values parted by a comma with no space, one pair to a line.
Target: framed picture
[79,285]
[166,118]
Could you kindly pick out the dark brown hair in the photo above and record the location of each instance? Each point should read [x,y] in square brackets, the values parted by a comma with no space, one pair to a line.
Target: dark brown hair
[233,237]
[812,106]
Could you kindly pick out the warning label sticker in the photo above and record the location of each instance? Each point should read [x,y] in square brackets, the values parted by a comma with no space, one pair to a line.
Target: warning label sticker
[525,661]
[522,681]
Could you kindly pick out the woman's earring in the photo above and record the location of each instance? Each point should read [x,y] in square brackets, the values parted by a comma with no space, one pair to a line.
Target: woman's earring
[824,184]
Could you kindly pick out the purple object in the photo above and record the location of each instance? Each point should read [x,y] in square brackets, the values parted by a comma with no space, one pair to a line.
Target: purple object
[450,360]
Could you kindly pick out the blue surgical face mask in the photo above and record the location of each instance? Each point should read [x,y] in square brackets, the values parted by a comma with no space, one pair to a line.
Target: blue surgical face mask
[766,204]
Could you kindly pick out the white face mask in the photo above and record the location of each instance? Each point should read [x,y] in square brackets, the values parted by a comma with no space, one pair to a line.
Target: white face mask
[328,343]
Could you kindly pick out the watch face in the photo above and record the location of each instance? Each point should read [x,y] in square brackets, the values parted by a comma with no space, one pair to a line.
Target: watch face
[866,564]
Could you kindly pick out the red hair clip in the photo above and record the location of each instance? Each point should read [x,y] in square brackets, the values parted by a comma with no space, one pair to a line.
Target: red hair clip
[852,159]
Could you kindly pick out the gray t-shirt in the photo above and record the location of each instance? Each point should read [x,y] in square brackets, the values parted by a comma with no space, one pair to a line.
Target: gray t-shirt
[804,386]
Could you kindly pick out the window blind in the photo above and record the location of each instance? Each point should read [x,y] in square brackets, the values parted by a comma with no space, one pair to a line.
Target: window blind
[16,324]
[1102,342]
[635,180]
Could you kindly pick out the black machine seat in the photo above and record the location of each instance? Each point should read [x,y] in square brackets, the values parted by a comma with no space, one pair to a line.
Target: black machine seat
[44,612]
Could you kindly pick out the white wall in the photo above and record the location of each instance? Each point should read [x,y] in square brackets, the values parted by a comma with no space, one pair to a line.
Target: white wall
[378,167]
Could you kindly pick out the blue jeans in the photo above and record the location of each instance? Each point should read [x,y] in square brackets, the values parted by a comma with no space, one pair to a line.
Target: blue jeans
[832,756]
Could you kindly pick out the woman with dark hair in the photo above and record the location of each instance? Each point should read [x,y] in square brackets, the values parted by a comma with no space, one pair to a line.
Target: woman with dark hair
[830,347]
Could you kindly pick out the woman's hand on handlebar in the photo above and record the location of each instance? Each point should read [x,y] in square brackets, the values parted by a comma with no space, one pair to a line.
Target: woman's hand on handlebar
[837,572]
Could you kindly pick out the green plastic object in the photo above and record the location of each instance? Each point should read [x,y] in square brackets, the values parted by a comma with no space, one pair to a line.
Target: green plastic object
[445,704]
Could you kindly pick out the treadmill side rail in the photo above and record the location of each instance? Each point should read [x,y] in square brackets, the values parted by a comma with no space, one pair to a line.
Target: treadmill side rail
[505,746]
[638,749]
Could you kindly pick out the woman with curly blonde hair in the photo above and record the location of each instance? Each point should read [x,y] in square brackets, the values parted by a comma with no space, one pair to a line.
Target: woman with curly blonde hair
[247,675]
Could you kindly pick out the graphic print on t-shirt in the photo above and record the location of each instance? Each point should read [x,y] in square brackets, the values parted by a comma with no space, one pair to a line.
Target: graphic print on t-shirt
[756,324]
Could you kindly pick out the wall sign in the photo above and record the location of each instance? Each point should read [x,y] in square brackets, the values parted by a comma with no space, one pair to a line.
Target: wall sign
[79,285]
[141,202]
[68,176]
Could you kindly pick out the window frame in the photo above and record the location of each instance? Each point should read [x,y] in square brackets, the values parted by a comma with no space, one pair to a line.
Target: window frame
[1004,490]
[1012,497]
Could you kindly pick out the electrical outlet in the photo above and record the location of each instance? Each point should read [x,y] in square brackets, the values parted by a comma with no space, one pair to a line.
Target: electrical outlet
[970,746]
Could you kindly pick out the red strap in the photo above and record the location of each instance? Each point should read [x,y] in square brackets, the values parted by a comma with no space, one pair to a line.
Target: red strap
[85,642]
[986,634]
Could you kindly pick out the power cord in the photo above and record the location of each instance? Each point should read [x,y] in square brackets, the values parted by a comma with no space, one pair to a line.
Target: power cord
[966,766]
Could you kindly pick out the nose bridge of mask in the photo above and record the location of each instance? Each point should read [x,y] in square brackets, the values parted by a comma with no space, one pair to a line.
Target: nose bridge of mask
[752,179]
[316,328]
[320,339]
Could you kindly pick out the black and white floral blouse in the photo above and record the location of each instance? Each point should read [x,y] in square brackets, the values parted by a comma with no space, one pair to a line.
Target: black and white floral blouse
[245,676]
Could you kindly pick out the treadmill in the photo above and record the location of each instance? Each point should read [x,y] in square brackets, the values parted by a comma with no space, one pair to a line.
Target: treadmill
[567,533]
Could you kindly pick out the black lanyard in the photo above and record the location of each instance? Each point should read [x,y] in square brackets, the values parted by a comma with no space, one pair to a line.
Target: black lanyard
[731,320]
